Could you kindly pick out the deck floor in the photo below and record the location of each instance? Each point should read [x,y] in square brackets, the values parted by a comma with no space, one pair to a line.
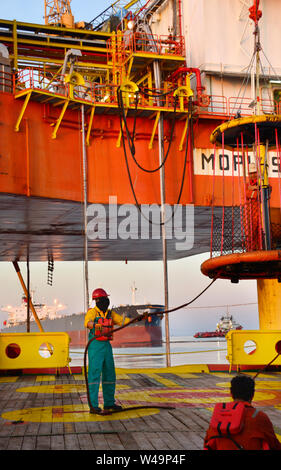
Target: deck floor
[48,412]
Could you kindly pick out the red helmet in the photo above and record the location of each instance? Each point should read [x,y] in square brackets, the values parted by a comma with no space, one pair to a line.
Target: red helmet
[97,293]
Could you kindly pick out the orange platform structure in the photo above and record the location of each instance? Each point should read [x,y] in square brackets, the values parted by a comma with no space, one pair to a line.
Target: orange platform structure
[50,77]
[105,154]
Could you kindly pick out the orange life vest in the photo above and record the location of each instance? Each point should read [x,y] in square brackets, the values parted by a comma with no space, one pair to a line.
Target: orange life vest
[228,421]
[104,326]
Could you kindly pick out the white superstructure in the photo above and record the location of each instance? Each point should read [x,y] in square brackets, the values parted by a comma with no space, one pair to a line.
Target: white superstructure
[18,314]
[219,40]
[227,323]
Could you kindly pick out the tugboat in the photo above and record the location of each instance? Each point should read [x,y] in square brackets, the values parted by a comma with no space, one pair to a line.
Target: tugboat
[225,324]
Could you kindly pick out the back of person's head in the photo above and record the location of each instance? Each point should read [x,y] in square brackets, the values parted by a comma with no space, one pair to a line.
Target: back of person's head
[242,388]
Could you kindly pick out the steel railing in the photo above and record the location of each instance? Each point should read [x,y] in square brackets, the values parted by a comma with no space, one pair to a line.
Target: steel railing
[105,93]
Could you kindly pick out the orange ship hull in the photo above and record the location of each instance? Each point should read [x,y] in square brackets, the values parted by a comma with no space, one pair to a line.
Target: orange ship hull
[139,336]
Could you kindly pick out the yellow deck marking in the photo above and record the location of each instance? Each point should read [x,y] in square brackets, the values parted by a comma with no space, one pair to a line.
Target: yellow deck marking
[225,375]
[170,396]
[186,376]
[61,388]
[45,378]
[260,385]
[184,396]
[265,376]
[118,376]
[4,380]
[169,393]
[71,413]
[163,380]
[194,368]
[229,376]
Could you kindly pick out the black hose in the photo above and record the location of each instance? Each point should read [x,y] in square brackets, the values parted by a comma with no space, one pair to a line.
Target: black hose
[128,169]
[156,94]
[131,138]
[87,383]
[267,365]
[135,320]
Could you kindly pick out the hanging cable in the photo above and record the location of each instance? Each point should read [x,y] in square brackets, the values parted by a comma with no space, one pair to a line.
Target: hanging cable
[184,168]
[131,138]
[243,85]
[156,94]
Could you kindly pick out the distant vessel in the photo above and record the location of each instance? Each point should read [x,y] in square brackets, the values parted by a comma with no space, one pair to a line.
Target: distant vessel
[144,333]
[17,315]
[225,324]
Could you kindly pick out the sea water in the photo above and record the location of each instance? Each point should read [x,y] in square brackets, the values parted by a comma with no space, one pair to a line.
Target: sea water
[183,350]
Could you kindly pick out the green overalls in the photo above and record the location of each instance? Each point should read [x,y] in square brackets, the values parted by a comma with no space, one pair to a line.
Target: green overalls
[101,362]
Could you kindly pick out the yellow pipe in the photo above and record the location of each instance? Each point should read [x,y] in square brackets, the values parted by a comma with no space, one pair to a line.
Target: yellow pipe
[183,135]
[16,266]
[263,165]
[130,68]
[118,144]
[53,78]
[269,301]
[130,4]
[17,126]
[54,134]
[149,80]
[154,130]
[36,318]
[15,43]
[142,79]
[58,45]
[56,29]
[91,65]
[90,126]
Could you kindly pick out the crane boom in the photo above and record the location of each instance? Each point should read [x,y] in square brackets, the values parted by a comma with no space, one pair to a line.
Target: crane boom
[58,12]
[115,9]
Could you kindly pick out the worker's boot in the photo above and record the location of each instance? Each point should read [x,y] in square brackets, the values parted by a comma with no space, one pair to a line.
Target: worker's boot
[113,408]
[95,410]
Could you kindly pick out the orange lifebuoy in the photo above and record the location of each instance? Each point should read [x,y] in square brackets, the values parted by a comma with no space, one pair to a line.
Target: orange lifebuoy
[232,266]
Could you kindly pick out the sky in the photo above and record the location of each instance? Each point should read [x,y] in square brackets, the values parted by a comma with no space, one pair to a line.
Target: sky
[185,279]
[32,11]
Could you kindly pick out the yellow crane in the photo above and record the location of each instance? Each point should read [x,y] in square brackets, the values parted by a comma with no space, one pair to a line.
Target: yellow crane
[119,8]
[58,12]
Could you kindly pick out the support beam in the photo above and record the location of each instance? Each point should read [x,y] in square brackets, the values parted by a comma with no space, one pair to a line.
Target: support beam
[15,45]
[118,144]
[157,76]
[90,126]
[16,266]
[154,130]
[85,204]
[54,134]
[183,134]
[269,300]
[27,98]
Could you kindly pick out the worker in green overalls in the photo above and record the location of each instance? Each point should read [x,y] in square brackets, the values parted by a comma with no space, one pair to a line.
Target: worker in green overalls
[100,320]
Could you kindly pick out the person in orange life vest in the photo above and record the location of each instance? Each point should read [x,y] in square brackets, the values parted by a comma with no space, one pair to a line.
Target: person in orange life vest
[252,210]
[252,190]
[257,432]
[100,320]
